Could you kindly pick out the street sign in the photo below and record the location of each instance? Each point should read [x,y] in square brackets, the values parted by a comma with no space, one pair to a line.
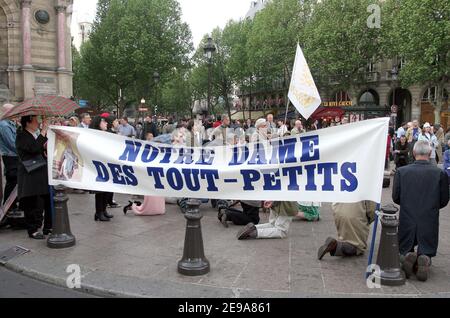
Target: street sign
[143,109]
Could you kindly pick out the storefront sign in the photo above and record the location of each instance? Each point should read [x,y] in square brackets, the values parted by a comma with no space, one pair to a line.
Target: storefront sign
[338,104]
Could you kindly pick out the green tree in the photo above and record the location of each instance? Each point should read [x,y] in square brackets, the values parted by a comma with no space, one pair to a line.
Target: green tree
[130,41]
[221,81]
[339,44]
[419,32]
[177,96]
[274,36]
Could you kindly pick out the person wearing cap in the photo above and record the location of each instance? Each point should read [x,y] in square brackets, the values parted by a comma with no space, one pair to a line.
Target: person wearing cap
[261,131]
[8,151]
[428,136]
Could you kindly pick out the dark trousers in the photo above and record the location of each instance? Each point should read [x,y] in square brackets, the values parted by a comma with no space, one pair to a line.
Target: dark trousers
[11,164]
[249,215]
[110,197]
[37,209]
[101,202]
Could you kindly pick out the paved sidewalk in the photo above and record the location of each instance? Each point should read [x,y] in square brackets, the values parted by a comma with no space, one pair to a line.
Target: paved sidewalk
[137,257]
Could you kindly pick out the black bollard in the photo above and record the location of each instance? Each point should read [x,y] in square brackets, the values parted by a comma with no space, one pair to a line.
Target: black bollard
[61,236]
[194,262]
[388,252]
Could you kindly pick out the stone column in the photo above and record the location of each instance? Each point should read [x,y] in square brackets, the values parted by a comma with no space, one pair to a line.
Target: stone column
[64,75]
[26,32]
[61,13]
[27,68]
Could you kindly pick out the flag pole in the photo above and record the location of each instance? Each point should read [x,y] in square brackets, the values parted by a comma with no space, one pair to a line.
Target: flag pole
[287,109]
[374,237]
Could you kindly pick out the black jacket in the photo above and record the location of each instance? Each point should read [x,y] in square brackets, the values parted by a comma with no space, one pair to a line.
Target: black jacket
[149,127]
[36,182]
[421,190]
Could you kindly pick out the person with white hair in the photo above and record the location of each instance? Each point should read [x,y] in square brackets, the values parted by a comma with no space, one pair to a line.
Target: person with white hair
[420,203]
[428,136]
[8,152]
[261,131]
[298,129]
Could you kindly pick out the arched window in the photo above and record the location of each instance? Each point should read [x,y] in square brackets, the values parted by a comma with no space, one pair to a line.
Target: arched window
[369,97]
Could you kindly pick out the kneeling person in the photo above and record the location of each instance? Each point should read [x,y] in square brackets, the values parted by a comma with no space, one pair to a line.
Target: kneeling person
[281,215]
[353,226]
[250,213]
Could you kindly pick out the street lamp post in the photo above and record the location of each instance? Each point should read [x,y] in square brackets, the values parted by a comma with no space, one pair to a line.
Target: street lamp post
[156,79]
[142,107]
[394,74]
[209,49]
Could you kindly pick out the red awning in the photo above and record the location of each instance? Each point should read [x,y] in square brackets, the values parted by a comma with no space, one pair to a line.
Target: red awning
[324,112]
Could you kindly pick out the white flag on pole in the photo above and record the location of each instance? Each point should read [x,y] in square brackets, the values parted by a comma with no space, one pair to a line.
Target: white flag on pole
[303,92]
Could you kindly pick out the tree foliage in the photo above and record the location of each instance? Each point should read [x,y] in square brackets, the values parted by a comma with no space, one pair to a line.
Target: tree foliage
[419,32]
[130,41]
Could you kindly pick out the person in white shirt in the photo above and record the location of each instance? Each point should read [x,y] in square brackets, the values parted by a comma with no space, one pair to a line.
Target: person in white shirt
[401,131]
[85,120]
[428,136]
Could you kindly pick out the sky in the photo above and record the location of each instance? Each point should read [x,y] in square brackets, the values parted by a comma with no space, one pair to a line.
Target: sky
[201,15]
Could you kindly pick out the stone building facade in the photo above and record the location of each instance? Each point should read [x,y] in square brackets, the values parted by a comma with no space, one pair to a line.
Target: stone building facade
[374,97]
[35,49]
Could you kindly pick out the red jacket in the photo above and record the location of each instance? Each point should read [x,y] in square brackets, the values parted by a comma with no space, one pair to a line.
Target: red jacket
[217,124]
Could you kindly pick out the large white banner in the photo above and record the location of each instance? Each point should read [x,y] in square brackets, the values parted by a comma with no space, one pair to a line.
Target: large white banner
[337,164]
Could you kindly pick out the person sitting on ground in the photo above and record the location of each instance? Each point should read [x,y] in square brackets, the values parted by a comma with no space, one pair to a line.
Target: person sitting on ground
[353,226]
[420,203]
[281,214]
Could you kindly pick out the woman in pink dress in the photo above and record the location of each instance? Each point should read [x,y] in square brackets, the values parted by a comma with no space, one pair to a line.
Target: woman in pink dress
[151,205]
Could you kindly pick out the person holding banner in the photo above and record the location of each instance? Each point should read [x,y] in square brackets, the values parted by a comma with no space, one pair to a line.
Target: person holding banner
[113,128]
[420,203]
[32,177]
[353,226]
[101,198]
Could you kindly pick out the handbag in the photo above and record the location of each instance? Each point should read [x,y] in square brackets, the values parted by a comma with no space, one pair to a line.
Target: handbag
[34,164]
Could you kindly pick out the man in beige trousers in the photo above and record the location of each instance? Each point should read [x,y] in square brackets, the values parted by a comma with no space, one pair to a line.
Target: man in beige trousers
[353,226]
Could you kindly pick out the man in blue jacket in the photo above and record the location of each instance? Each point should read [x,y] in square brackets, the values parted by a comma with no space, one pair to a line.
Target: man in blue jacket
[8,131]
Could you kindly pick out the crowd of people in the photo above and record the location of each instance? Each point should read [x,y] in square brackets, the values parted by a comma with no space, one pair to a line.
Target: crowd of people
[415,150]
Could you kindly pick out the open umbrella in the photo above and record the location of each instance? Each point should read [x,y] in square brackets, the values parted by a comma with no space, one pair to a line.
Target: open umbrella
[42,106]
